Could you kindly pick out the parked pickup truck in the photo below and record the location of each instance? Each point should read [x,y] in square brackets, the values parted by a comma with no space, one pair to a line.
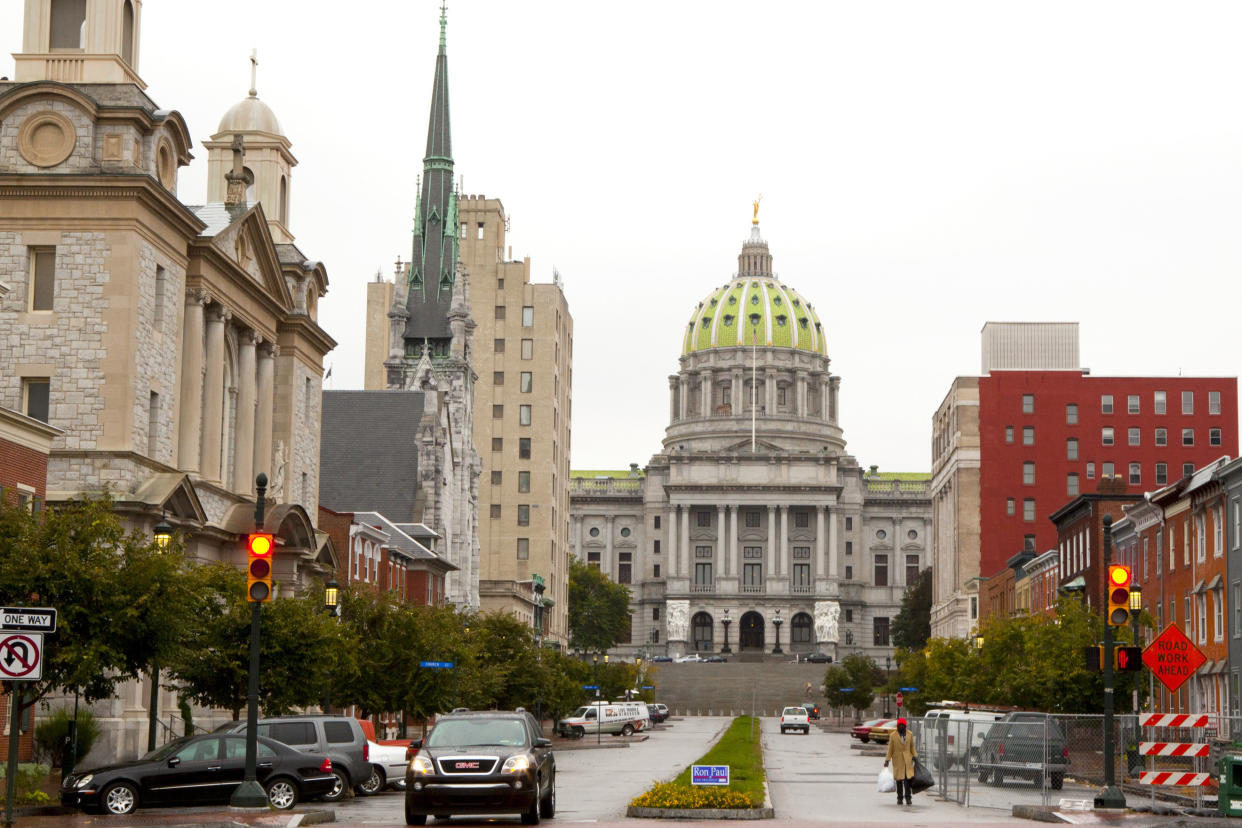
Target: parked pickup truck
[1024,745]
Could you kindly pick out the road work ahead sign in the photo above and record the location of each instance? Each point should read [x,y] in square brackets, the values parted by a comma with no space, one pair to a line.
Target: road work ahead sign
[1173,658]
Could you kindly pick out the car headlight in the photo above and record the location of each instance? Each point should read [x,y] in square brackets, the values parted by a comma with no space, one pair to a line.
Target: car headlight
[421,765]
[84,780]
[516,764]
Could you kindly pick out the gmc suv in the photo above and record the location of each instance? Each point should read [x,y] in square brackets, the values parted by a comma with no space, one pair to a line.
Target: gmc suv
[485,762]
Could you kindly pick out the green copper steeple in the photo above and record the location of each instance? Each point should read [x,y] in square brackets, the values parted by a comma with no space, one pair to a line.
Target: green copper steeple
[433,264]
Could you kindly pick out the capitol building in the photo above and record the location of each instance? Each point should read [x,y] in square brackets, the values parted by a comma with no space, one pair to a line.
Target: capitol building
[752,530]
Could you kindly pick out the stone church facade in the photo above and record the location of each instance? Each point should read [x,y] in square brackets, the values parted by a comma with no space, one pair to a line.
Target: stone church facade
[753,529]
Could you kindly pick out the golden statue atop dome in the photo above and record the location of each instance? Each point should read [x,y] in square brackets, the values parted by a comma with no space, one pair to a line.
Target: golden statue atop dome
[755,218]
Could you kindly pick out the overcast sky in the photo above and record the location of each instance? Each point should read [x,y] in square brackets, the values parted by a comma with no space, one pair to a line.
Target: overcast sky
[925,167]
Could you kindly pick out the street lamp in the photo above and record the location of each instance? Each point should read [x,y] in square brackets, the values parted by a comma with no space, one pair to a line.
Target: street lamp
[163,538]
[887,664]
[332,606]
[726,621]
[776,622]
[978,642]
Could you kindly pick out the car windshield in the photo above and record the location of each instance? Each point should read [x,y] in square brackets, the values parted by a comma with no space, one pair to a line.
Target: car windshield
[161,753]
[477,732]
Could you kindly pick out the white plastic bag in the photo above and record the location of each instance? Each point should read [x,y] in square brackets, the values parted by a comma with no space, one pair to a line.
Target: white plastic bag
[886,784]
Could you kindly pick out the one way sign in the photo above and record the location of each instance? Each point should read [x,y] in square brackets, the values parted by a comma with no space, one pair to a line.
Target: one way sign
[21,656]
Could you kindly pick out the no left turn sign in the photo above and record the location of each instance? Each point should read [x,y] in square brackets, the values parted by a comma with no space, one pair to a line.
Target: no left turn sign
[21,656]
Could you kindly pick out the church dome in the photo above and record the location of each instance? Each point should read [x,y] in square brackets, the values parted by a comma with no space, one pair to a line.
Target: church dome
[754,300]
[250,115]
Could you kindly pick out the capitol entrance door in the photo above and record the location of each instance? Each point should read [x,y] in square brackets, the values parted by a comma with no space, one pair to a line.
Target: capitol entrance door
[750,635]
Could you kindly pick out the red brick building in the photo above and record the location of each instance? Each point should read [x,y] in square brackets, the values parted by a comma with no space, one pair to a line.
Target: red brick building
[1048,436]
[1079,527]
[394,558]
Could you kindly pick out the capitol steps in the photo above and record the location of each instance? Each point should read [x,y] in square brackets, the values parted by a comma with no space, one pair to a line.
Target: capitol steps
[737,687]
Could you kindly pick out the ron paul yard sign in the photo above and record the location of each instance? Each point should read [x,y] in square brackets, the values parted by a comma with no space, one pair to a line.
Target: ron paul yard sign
[1173,658]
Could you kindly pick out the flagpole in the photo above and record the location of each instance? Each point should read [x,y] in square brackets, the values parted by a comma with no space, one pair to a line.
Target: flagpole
[754,384]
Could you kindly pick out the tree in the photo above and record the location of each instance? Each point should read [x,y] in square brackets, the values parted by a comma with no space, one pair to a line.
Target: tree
[851,682]
[912,626]
[599,610]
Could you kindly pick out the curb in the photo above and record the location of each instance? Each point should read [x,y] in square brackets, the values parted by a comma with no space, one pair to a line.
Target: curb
[699,813]
[1037,813]
[602,746]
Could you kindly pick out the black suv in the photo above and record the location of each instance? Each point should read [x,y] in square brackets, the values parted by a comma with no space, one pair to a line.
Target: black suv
[486,762]
[1027,746]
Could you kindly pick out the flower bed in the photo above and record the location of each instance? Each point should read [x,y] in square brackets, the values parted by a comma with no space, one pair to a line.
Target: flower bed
[743,797]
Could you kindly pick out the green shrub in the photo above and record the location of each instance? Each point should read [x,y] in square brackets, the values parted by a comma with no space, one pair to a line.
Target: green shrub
[49,736]
[30,781]
[740,749]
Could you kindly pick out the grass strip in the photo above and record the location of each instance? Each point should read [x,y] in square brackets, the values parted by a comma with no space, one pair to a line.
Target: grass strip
[740,749]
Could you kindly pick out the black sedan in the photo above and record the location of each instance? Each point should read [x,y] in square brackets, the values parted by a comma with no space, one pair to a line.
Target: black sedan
[199,770]
[818,658]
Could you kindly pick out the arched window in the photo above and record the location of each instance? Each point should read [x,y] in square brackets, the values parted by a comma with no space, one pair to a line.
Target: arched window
[701,629]
[800,629]
[68,24]
[284,201]
[127,33]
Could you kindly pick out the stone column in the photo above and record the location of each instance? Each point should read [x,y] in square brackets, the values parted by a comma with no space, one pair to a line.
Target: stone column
[734,554]
[683,397]
[721,542]
[834,385]
[671,519]
[769,392]
[771,567]
[191,421]
[672,399]
[782,558]
[820,563]
[823,398]
[683,546]
[801,394]
[265,413]
[213,392]
[247,398]
[738,391]
[705,379]
[610,567]
[832,544]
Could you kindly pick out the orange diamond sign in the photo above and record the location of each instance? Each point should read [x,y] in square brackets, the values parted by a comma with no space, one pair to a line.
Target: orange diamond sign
[1173,658]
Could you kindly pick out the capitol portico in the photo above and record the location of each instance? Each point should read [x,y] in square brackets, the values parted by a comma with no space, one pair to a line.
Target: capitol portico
[752,529]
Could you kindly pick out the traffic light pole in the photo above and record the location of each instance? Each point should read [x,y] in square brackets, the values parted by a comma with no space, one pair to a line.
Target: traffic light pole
[250,793]
[1111,796]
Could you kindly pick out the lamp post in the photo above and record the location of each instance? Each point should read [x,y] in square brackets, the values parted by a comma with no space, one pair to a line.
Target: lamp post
[163,538]
[726,621]
[1136,606]
[332,606]
[887,663]
[776,622]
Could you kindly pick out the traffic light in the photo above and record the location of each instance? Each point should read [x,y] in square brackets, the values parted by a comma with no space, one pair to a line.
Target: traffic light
[1095,655]
[1129,659]
[259,545]
[1118,595]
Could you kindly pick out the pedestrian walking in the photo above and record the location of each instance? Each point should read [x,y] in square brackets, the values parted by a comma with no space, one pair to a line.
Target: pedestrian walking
[902,753]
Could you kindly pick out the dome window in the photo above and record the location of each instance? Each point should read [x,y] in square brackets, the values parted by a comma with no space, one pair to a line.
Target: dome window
[754,284]
[732,300]
[714,300]
[707,320]
[796,303]
[754,299]
[754,319]
[728,319]
[776,299]
[780,320]
[802,320]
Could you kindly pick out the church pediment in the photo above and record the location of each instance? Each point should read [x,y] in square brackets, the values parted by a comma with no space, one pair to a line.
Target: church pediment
[240,234]
[760,445]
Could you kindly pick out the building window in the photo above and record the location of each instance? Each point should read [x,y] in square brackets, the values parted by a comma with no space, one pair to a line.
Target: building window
[1008,434]
[703,518]
[1028,509]
[1162,473]
[752,575]
[1071,484]
[703,574]
[1028,403]
[528,382]
[523,481]
[800,552]
[498,377]
[528,349]
[1188,469]
[42,278]
[153,424]
[498,412]
[498,444]
[849,524]
[912,569]
[1028,543]
[849,547]
[849,573]
[1159,402]
[1106,403]
[1028,435]
[495,478]
[623,572]
[752,518]
[500,282]
[1188,402]
[655,522]
[523,514]
[1071,449]
[1091,471]
[802,520]
[1132,404]
[36,397]
[523,549]
[1071,414]
[523,448]
[1213,402]
[528,316]
[1136,474]
[880,628]
[1106,470]
[702,551]
[161,290]
[524,415]
[500,311]
[1028,473]
[801,625]
[655,613]
[881,570]
[1213,436]
[655,547]
[1009,505]
[655,570]
[1188,436]
[752,552]
[1237,609]
[1106,436]
[495,510]
[1162,436]
[498,346]
[1133,436]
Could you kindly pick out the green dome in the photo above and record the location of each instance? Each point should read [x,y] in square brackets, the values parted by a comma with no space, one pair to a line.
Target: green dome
[777,313]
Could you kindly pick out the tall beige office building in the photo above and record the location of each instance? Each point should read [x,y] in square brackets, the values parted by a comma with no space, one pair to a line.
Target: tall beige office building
[523,349]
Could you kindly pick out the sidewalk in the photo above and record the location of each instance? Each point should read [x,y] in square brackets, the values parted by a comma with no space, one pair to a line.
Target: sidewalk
[206,817]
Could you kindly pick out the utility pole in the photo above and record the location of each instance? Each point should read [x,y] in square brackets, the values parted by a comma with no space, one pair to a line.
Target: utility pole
[1111,796]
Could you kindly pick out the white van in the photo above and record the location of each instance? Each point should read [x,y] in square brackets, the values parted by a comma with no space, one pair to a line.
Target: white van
[952,734]
[624,717]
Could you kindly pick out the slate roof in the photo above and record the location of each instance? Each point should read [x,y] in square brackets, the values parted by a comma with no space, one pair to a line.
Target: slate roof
[218,216]
[398,539]
[368,452]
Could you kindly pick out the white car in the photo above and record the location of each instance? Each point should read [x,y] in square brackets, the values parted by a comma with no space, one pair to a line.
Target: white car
[388,765]
[795,718]
[692,657]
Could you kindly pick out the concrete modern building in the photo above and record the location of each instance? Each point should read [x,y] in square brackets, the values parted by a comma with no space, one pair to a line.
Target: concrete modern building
[752,528]
[1014,445]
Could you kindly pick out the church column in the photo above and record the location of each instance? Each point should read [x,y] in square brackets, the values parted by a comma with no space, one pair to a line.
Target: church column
[191,425]
[820,546]
[823,397]
[266,374]
[683,397]
[770,569]
[735,552]
[671,519]
[684,544]
[213,392]
[832,544]
[610,567]
[243,477]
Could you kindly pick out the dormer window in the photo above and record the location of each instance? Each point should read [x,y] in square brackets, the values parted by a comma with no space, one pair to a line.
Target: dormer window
[754,284]
[754,299]
[732,300]
[714,301]
[796,303]
[776,299]
[728,319]
[754,319]
[780,320]
[707,320]
[802,320]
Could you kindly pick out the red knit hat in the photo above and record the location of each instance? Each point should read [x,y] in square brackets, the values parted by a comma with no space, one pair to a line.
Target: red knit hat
[901,721]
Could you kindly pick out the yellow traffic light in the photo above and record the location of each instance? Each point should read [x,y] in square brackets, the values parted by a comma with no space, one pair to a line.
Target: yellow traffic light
[259,547]
[1119,578]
